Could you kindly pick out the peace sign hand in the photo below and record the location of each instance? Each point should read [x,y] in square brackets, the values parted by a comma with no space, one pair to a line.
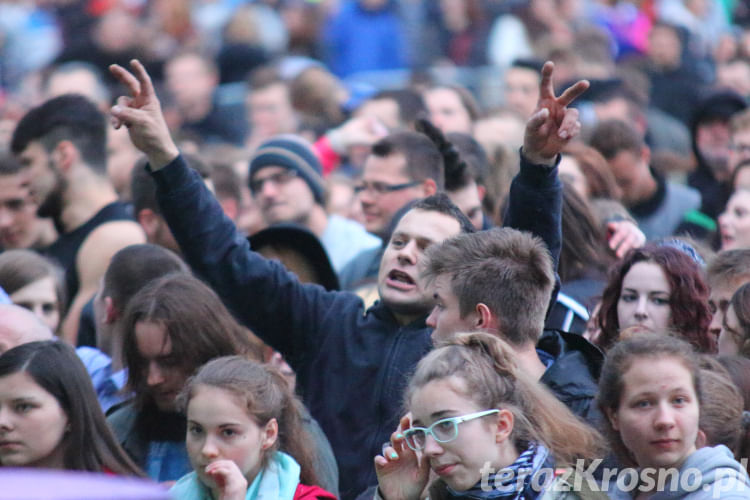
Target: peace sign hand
[552,125]
[141,113]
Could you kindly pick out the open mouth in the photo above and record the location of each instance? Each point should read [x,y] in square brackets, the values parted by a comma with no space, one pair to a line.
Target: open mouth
[400,280]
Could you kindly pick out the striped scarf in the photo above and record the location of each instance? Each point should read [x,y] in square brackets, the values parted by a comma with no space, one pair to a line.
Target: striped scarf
[515,481]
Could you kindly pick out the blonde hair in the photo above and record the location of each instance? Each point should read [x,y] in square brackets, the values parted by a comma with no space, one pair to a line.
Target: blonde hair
[493,380]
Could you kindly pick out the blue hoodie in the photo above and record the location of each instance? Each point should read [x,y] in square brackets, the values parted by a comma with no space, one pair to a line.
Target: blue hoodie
[709,473]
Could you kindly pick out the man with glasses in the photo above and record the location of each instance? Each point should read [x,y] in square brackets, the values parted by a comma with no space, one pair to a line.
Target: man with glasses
[351,361]
[402,167]
[285,179]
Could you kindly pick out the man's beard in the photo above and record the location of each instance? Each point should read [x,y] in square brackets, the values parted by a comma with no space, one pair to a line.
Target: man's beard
[52,205]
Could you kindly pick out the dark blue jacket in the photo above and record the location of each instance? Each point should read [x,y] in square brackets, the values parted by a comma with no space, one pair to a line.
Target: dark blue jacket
[352,364]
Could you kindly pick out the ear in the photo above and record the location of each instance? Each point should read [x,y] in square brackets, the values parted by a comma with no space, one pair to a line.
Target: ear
[149,221]
[270,434]
[481,192]
[701,440]
[486,319]
[504,426]
[110,312]
[65,155]
[612,416]
[429,187]
[646,155]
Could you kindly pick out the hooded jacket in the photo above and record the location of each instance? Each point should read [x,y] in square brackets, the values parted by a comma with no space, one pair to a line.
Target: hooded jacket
[707,474]
[352,363]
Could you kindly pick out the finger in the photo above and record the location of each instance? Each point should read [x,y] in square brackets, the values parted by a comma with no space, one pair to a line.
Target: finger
[147,87]
[124,101]
[573,92]
[546,89]
[570,125]
[127,116]
[115,122]
[126,78]
[390,453]
[536,120]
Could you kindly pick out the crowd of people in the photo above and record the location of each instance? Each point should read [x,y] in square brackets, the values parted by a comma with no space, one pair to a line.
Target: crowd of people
[377,249]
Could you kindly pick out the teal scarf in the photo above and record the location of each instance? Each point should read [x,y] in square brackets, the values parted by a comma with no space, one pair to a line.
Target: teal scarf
[277,481]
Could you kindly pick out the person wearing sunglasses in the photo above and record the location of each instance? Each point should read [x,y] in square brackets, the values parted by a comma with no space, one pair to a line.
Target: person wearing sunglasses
[484,428]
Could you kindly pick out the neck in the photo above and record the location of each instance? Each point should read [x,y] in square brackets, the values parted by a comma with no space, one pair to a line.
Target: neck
[529,361]
[87,193]
[317,221]
[650,187]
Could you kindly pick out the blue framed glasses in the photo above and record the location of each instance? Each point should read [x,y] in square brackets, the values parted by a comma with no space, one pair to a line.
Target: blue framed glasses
[443,430]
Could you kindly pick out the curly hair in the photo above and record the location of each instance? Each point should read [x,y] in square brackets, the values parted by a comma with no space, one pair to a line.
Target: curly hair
[688,301]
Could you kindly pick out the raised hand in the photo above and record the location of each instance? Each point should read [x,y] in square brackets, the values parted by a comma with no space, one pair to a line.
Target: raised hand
[228,478]
[623,236]
[141,113]
[552,125]
[402,475]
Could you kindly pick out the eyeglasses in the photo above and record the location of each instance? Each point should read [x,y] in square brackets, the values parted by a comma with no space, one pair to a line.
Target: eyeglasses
[279,178]
[443,431]
[379,188]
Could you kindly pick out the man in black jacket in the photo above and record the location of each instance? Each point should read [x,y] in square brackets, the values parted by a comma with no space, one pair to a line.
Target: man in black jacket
[351,362]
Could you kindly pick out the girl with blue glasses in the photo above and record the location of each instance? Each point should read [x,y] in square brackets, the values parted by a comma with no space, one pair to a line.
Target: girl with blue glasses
[483,428]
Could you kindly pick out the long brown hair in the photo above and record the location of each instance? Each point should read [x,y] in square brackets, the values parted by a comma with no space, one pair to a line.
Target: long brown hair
[198,325]
[493,380]
[267,396]
[89,444]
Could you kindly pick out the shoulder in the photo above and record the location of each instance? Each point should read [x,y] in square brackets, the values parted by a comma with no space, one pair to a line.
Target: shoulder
[684,193]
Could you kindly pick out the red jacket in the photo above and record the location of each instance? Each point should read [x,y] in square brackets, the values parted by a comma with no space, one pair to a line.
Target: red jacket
[305,492]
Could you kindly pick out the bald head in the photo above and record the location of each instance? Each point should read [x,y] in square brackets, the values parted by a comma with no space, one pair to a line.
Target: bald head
[20,326]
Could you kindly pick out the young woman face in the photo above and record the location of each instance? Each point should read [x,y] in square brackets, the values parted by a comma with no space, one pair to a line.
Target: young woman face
[734,222]
[220,428]
[32,424]
[658,413]
[479,441]
[644,298]
[40,297]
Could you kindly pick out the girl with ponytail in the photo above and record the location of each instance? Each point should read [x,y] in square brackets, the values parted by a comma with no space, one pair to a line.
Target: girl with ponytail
[483,427]
[245,437]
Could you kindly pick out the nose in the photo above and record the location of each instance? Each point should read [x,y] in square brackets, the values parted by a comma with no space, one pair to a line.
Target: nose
[431,447]
[641,312]
[5,219]
[408,253]
[209,449]
[431,320]
[664,418]
[717,321]
[269,189]
[154,376]
[5,423]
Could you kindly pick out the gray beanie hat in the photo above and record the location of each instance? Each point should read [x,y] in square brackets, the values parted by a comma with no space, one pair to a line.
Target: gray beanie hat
[292,152]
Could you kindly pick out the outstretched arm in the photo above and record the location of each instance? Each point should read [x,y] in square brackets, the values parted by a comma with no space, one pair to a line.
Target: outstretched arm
[291,317]
[535,202]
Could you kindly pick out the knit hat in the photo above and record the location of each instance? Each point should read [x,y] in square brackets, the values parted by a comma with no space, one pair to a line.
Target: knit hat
[292,152]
